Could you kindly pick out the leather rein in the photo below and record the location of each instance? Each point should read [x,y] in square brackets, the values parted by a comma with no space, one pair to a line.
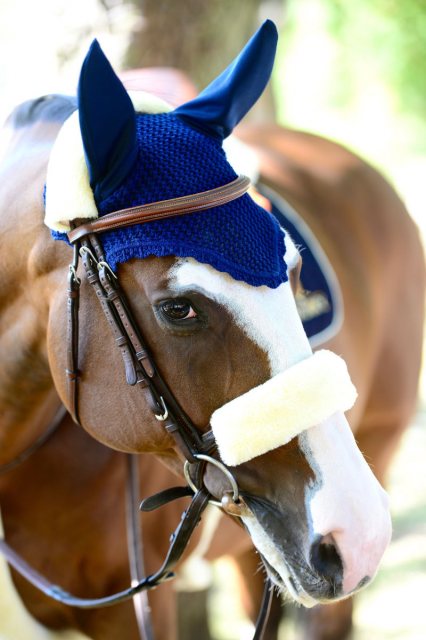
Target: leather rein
[198,449]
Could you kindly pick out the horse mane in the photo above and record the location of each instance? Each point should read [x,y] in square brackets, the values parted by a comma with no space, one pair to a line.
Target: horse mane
[49,108]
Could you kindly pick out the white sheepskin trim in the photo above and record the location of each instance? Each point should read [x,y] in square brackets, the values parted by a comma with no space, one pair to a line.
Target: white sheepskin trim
[68,192]
[144,102]
[270,415]
[242,158]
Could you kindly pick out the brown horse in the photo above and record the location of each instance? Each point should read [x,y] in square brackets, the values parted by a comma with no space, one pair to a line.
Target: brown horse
[316,513]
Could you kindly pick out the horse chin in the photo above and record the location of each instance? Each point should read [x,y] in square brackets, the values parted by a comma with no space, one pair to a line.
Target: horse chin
[292,576]
[278,569]
[288,585]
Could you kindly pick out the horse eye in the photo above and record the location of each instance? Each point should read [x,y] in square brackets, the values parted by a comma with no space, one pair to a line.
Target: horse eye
[177,310]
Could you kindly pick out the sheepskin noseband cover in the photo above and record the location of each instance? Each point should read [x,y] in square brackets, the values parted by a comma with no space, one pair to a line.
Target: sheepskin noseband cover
[270,415]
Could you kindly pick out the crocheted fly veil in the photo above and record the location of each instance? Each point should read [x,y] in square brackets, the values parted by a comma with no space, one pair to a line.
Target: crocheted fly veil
[138,158]
[120,151]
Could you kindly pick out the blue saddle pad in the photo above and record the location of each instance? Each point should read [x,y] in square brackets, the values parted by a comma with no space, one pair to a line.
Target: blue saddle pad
[319,301]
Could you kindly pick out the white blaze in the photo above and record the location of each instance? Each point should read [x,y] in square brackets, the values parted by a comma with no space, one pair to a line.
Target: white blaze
[267,316]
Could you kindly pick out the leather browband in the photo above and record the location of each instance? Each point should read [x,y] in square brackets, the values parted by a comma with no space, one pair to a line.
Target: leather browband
[163,209]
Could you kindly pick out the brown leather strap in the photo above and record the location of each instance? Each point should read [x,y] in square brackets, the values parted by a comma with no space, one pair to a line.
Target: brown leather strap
[121,340]
[179,540]
[264,611]
[135,548]
[163,209]
[138,363]
[71,371]
[124,314]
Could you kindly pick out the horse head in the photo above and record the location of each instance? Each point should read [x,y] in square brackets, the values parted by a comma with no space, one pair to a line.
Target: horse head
[212,293]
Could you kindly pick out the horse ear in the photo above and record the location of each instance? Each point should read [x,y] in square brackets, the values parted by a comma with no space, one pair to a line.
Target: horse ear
[221,106]
[107,123]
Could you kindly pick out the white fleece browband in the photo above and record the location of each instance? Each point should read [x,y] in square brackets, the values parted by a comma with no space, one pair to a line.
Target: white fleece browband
[270,415]
[68,191]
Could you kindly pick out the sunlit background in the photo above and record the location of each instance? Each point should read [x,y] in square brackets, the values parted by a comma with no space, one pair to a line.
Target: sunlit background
[352,71]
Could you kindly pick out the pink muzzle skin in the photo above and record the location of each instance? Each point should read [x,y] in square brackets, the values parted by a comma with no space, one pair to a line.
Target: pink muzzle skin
[350,508]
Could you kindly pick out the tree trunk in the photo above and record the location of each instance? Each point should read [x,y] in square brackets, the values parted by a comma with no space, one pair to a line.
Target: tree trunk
[199,37]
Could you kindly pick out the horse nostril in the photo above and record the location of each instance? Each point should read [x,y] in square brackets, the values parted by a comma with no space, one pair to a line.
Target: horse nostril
[325,559]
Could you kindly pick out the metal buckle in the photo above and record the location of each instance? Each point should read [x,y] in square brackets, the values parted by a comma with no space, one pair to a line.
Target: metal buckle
[219,465]
[105,265]
[88,251]
[101,264]
[73,278]
[162,416]
[72,275]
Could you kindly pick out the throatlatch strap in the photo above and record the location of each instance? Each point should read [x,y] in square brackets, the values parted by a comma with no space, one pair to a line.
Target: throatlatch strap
[180,539]
[35,446]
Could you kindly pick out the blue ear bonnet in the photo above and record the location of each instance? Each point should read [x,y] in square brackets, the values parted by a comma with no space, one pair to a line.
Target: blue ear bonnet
[239,238]
[177,154]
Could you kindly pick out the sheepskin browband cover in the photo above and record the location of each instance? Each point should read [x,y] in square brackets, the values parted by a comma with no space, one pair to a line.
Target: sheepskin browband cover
[270,415]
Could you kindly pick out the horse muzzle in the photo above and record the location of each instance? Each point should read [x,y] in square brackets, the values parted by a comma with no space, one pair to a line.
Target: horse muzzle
[308,567]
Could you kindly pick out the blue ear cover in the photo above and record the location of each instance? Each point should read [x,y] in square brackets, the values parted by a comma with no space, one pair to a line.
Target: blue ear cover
[226,100]
[107,123]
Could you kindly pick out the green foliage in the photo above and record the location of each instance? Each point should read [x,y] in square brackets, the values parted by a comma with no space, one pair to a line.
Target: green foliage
[386,38]
[355,70]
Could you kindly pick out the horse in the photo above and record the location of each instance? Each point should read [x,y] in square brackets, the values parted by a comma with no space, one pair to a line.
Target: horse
[222,334]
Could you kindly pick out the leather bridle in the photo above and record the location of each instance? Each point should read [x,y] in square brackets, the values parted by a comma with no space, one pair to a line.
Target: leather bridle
[139,366]
[198,448]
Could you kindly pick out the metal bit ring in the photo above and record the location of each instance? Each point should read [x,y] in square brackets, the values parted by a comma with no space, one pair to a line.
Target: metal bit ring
[219,465]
